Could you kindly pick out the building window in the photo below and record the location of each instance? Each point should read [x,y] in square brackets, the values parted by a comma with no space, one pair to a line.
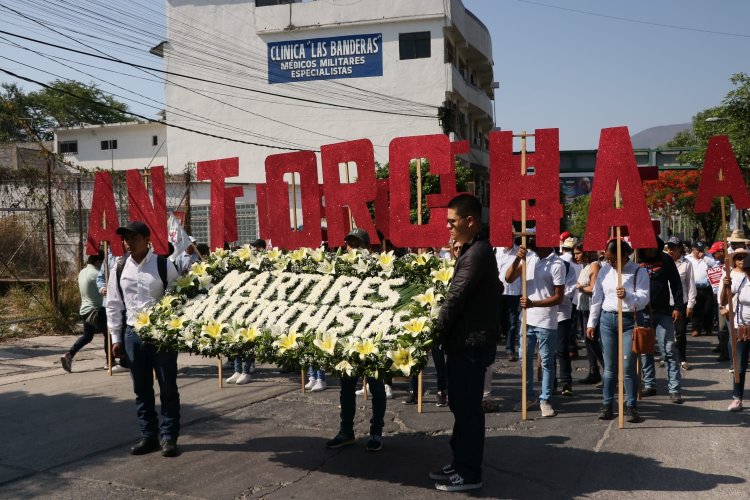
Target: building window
[110,144]
[247,223]
[154,140]
[414,45]
[200,223]
[71,222]
[67,147]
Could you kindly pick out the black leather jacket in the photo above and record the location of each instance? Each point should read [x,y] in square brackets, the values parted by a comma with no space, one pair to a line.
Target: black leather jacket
[469,316]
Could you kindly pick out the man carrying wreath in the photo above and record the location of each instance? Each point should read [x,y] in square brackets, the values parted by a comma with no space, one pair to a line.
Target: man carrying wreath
[468,326]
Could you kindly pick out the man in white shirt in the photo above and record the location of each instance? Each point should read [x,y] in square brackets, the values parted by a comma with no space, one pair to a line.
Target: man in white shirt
[704,302]
[509,301]
[139,282]
[545,276]
[674,248]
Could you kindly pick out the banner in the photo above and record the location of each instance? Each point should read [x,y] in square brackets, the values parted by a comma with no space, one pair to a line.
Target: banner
[354,56]
[177,236]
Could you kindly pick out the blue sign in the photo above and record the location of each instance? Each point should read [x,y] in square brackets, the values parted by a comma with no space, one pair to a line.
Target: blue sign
[354,56]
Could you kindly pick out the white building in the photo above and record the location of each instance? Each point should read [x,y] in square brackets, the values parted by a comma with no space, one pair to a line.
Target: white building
[299,75]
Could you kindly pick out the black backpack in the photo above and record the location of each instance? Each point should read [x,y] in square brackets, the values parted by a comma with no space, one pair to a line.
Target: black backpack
[161,266]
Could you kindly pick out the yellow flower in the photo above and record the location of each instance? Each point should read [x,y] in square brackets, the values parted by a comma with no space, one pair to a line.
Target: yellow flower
[442,275]
[175,323]
[183,282]
[344,367]
[402,360]
[273,254]
[213,329]
[142,320]
[422,259]
[326,267]
[365,347]
[428,298]
[386,259]
[416,326]
[326,342]
[286,342]
[248,334]
[166,302]
[244,253]
[350,256]
[298,255]
[198,269]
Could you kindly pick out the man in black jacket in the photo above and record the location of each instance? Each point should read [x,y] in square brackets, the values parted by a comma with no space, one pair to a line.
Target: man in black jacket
[468,326]
[663,275]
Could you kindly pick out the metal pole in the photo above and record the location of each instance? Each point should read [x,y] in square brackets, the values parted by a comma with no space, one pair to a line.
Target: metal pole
[80,225]
[187,202]
[52,258]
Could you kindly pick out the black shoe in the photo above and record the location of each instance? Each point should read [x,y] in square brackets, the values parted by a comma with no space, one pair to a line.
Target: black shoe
[340,441]
[605,412]
[442,399]
[66,362]
[631,414]
[512,357]
[567,390]
[675,397]
[145,445]
[169,448]
[716,349]
[457,483]
[648,391]
[375,443]
[443,474]
[411,400]
[722,358]
[591,379]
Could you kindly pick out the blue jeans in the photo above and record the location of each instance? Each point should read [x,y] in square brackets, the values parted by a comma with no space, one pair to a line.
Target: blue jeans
[665,340]
[608,335]
[510,319]
[743,349]
[242,365]
[565,335]
[547,340]
[465,386]
[316,374]
[144,361]
[349,404]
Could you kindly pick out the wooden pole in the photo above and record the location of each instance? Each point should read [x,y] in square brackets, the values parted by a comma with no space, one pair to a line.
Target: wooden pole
[730,311]
[524,326]
[620,364]
[108,340]
[349,209]
[419,223]
[221,379]
[294,201]
[302,379]
[364,387]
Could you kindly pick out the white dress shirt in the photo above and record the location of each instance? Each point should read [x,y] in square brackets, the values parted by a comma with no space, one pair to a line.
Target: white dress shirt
[141,287]
[637,293]
[700,267]
[689,293]
[505,256]
[542,276]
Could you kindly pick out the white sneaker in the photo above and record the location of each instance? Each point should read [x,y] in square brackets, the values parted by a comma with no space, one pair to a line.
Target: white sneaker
[105,367]
[310,384]
[388,392]
[684,365]
[245,378]
[252,367]
[234,378]
[120,369]
[547,410]
[360,392]
[320,385]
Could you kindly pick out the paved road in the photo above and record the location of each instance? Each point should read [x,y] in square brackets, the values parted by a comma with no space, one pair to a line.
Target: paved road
[67,436]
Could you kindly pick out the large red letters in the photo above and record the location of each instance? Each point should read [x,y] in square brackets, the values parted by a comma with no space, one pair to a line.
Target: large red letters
[103,208]
[720,158]
[140,206]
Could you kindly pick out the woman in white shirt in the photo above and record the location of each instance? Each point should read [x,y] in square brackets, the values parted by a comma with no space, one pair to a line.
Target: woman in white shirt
[585,287]
[740,297]
[635,296]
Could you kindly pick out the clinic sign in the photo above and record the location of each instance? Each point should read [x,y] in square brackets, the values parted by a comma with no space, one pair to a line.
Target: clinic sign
[354,56]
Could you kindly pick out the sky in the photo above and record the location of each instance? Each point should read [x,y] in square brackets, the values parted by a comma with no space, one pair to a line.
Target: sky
[576,65]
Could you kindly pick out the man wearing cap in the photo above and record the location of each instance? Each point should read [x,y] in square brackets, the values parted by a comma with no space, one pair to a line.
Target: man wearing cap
[140,280]
[674,249]
[704,303]
[737,240]
[259,244]
[359,239]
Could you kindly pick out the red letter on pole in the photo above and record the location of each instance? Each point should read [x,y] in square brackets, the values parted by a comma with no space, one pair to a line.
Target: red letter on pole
[354,195]
[103,208]
[140,206]
[277,191]
[437,149]
[509,187]
[720,158]
[216,171]
[615,163]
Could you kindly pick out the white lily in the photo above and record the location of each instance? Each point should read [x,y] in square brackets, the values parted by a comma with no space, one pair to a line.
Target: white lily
[326,342]
[402,359]
[344,367]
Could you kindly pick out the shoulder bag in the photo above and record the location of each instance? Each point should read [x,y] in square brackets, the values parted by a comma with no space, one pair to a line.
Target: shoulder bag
[644,337]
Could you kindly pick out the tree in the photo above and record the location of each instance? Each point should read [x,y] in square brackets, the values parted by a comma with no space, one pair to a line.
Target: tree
[578,211]
[430,184]
[63,104]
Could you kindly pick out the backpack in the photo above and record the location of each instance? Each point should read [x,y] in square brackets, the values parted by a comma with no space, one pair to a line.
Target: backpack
[161,266]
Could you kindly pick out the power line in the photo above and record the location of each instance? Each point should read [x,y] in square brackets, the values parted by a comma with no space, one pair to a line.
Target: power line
[637,21]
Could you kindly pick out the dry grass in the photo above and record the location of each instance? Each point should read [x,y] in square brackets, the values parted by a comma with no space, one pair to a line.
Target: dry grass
[26,302]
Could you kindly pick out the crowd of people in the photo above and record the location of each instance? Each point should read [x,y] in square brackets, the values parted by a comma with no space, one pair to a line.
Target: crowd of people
[572,295]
